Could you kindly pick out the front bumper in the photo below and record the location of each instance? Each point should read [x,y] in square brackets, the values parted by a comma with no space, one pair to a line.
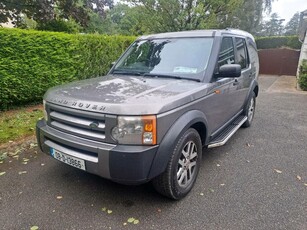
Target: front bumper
[121,163]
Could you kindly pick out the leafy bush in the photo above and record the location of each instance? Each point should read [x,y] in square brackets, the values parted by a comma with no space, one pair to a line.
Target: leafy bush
[33,61]
[61,25]
[278,42]
[303,75]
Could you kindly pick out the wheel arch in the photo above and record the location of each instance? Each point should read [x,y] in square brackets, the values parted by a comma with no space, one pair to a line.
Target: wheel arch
[254,88]
[191,119]
[201,128]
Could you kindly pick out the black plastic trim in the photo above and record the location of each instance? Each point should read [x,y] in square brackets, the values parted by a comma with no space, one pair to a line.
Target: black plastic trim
[131,164]
[172,137]
[252,87]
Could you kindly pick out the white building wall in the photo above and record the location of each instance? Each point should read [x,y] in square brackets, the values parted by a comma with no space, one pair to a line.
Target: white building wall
[303,54]
[7,24]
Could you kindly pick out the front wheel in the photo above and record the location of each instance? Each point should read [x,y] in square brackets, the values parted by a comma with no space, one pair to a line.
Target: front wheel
[249,110]
[182,169]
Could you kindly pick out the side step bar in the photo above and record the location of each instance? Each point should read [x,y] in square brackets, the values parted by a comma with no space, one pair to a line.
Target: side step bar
[227,133]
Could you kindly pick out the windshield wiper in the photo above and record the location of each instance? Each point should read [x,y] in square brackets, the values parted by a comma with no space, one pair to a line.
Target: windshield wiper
[169,76]
[122,72]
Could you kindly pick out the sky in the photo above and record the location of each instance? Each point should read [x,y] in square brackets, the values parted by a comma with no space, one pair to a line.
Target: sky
[287,8]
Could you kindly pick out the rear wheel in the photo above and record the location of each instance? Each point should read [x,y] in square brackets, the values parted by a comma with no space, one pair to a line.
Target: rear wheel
[249,110]
[182,169]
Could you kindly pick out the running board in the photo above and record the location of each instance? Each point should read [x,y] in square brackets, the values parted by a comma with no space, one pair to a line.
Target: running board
[227,133]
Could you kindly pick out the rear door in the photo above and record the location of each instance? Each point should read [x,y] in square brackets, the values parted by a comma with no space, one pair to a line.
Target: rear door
[244,81]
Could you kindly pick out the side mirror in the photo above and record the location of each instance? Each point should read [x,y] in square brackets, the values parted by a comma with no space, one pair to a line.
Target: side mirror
[229,70]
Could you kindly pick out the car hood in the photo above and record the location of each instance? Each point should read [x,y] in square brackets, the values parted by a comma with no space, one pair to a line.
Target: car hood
[127,95]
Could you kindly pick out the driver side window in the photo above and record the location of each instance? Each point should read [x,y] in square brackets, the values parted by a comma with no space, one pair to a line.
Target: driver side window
[226,55]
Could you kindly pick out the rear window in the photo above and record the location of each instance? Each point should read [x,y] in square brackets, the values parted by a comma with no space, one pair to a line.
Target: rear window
[242,58]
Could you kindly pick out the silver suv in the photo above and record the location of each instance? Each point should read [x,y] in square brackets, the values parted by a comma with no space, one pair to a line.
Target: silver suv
[168,97]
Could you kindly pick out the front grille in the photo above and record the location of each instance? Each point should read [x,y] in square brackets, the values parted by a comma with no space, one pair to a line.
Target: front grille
[83,124]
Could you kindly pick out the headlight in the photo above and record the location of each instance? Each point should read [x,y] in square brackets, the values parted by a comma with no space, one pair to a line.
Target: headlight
[45,111]
[135,130]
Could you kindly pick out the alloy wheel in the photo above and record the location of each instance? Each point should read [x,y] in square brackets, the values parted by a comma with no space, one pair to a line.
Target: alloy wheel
[186,170]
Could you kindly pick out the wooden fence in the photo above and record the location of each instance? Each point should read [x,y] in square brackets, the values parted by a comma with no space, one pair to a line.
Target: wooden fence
[278,61]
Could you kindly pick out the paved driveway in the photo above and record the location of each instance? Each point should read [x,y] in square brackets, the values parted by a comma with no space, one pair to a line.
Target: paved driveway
[256,181]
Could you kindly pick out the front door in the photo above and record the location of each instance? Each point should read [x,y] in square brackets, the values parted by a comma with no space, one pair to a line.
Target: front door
[223,103]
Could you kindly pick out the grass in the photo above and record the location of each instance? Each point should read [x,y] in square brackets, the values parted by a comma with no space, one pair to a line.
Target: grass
[19,123]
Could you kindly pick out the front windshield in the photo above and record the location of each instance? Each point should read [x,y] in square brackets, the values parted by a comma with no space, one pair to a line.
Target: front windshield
[183,57]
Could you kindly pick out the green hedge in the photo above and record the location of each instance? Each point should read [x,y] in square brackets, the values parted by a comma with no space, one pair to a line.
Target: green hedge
[303,75]
[33,61]
[278,42]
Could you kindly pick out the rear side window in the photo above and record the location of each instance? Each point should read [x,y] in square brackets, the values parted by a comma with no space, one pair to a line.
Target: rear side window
[226,55]
[242,58]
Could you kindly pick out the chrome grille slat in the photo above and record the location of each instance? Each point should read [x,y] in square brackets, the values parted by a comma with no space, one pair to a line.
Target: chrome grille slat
[75,121]
[79,123]
[78,131]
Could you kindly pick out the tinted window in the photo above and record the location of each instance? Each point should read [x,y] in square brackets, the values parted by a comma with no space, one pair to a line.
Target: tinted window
[226,55]
[241,53]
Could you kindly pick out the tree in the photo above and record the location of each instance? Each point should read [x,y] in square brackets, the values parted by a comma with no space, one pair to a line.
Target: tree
[177,15]
[174,15]
[292,26]
[273,27]
[121,19]
[98,6]
[13,9]
[45,11]
[80,10]
[27,23]
[150,16]
[129,20]
[248,16]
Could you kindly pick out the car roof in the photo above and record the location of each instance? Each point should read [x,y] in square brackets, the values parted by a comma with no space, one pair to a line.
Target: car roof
[197,33]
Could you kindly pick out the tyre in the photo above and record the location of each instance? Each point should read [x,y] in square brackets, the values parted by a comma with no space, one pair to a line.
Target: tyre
[249,110]
[183,166]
